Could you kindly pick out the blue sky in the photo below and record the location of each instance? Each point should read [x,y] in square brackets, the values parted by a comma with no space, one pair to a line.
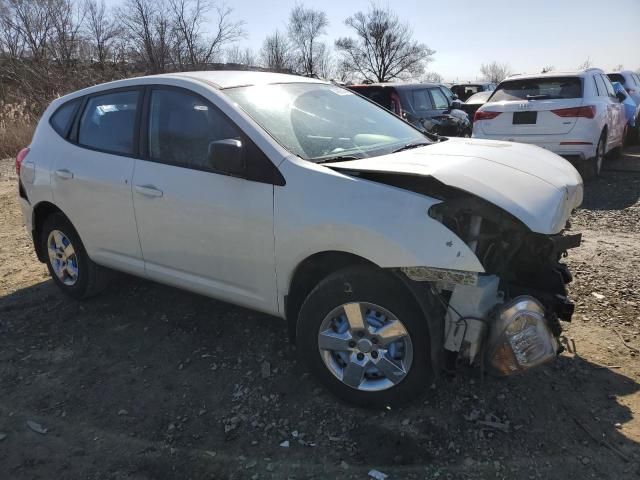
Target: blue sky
[465,33]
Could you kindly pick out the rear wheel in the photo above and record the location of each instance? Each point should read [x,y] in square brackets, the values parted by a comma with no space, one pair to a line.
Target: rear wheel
[633,134]
[67,260]
[598,160]
[362,335]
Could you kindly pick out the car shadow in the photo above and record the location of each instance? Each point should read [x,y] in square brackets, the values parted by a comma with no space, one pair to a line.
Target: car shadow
[146,367]
[613,190]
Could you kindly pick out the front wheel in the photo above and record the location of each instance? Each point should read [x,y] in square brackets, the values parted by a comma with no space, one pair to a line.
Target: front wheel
[362,335]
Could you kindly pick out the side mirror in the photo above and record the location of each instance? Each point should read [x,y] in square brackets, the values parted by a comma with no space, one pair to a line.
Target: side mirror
[227,156]
[456,104]
[621,97]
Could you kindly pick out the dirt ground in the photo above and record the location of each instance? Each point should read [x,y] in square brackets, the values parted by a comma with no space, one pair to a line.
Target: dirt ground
[149,382]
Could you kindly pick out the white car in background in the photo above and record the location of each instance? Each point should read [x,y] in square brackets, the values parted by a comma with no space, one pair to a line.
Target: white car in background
[301,199]
[574,114]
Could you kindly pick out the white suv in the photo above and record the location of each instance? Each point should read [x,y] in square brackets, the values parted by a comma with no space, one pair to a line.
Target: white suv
[574,114]
[302,199]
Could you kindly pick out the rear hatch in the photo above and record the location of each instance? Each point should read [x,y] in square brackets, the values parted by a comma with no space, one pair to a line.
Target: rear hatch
[527,106]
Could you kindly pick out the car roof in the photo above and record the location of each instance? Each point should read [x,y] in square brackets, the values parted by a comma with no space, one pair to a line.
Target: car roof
[471,84]
[240,78]
[623,72]
[218,79]
[398,86]
[568,73]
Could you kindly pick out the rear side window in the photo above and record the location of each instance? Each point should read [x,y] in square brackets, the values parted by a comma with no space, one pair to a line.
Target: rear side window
[636,79]
[62,117]
[439,100]
[538,89]
[108,122]
[420,100]
[181,127]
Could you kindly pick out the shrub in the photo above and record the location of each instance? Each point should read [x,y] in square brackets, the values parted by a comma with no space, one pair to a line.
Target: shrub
[16,128]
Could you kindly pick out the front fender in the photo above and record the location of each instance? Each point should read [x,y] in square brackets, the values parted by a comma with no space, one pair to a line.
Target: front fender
[320,210]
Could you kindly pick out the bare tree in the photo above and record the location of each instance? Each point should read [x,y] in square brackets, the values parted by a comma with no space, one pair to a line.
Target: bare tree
[33,21]
[586,64]
[306,26]
[619,68]
[147,26]
[240,56]
[101,30]
[276,52]
[67,19]
[195,48]
[432,77]
[495,72]
[547,69]
[12,44]
[383,48]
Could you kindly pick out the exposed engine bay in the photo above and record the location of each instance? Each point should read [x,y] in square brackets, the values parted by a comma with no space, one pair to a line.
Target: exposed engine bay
[508,316]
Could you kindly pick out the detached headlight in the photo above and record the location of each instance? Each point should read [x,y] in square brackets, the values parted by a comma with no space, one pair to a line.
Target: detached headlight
[519,338]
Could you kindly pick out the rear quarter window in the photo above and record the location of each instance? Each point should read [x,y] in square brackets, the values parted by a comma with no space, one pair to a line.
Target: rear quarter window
[62,117]
[538,89]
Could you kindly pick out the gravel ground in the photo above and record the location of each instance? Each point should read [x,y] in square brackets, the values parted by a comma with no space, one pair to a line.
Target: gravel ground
[149,382]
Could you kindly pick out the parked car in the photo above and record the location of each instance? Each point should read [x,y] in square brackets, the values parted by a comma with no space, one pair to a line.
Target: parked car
[301,199]
[631,83]
[474,102]
[466,90]
[629,105]
[574,114]
[427,106]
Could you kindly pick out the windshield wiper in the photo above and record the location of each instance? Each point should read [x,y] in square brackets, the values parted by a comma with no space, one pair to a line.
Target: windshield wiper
[338,158]
[409,146]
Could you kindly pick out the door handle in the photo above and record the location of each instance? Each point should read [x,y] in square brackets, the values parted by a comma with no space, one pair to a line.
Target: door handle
[64,174]
[148,190]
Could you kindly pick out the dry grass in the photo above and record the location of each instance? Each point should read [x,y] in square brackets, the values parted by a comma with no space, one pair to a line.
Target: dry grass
[16,128]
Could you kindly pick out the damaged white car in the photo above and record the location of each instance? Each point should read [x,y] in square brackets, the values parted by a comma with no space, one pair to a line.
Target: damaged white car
[387,253]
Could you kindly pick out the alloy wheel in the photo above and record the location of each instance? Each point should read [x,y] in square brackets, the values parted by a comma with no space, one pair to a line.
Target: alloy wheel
[365,346]
[63,258]
[600,152]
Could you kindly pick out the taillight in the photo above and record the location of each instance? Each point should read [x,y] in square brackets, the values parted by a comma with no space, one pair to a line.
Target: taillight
[485,115]
[22,154]
[584,112]
[396,106]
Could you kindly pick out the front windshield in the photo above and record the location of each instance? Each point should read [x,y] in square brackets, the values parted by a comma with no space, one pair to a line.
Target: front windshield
[320,122]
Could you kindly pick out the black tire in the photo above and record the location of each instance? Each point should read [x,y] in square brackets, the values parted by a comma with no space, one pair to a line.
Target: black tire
[91,278]
[595,164]
[375,286]
[633,134]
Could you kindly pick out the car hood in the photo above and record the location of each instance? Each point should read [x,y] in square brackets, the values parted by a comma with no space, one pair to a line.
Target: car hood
[536,186]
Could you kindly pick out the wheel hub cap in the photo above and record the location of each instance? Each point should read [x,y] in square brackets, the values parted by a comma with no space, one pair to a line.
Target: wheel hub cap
[63,258]
[365,346]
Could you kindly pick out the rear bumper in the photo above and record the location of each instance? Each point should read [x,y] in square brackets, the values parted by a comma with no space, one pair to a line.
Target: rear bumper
[569,151]
[27,214]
